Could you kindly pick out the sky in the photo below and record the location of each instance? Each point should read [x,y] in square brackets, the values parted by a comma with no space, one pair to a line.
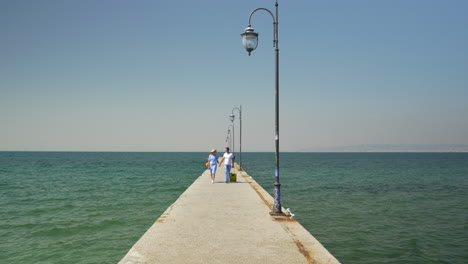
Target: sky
[150,75]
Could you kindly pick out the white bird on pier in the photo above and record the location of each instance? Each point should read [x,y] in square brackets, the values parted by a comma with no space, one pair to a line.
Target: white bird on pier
[290,213]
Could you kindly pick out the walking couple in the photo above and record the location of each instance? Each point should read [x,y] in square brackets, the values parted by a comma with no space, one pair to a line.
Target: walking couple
[228,159]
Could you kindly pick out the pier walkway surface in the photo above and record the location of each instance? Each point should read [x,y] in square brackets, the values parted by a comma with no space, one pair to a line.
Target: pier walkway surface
[226,223]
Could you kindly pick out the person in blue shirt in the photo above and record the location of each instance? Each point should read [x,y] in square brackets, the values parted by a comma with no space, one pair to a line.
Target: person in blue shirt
[213,160]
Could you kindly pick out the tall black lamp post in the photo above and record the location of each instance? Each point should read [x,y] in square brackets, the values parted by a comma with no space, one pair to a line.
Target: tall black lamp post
[250,41]
[232,117]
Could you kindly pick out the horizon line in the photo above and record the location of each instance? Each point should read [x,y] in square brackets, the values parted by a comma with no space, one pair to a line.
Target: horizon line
[164,151]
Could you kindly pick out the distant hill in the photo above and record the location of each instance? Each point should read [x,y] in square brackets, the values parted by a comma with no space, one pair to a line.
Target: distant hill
[391,148]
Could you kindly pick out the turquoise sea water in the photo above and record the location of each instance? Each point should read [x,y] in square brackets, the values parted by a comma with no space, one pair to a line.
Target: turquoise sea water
[78,207]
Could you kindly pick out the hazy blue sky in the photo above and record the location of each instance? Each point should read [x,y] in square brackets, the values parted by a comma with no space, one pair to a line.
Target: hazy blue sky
[116,75]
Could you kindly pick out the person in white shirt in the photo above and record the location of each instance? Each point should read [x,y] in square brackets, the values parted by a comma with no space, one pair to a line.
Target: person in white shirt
[228,159]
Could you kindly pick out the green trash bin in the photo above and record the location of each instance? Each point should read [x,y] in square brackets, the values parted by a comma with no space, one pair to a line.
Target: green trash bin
[233,177]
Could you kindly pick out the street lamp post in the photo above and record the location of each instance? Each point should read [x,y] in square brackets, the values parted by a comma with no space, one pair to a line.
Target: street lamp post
[232,117]
[230,137]
[228,140]
[250,42]
[233,133]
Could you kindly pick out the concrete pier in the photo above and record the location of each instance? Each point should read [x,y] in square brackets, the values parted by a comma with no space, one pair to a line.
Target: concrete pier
[226,223]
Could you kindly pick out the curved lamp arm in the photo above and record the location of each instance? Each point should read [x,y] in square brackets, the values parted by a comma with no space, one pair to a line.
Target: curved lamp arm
[275,23]
[235,109]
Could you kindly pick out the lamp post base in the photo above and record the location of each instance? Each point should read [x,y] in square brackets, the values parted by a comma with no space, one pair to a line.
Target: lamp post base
[277,204]
[277,214]
[276,209]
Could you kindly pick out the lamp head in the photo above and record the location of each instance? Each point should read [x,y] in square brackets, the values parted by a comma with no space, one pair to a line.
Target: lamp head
[249,39]
[232,117]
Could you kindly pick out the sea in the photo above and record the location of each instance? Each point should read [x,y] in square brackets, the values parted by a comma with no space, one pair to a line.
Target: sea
[365,208]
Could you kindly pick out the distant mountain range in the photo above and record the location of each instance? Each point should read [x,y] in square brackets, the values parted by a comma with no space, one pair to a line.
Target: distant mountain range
[391,148]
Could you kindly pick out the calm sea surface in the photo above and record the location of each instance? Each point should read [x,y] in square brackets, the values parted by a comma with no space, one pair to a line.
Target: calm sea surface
[78,207]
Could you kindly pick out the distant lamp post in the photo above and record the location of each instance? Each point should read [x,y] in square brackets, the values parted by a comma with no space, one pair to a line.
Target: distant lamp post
[228,140]
[250,41]
[229,135]
[233,138]
[232,117]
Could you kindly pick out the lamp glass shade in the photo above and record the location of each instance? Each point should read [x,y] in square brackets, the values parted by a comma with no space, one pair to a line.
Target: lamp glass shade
[232,117]
[249,39]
